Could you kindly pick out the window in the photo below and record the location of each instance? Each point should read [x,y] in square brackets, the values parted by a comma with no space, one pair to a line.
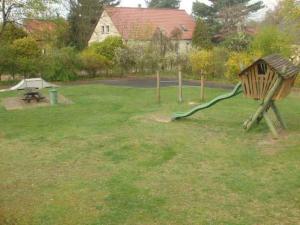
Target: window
[107,29]
[102,29]
[183,28]
[262,69]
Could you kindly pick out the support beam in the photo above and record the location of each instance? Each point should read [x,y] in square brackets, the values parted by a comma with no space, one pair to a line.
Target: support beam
[264,106]
[271,125]
[278,115]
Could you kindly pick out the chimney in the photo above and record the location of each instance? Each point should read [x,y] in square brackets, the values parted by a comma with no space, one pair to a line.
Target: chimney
[140,5]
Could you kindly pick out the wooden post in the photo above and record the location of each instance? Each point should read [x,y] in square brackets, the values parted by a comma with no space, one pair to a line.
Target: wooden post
[158,86]
[270,125]
[202,88]
[180,99]
[278,115]
[264,106]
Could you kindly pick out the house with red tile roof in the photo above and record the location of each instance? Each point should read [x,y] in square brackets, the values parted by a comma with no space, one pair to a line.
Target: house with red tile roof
[39,29]
[140,24]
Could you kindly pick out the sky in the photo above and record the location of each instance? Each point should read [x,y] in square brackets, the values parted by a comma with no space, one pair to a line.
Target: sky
[187,5]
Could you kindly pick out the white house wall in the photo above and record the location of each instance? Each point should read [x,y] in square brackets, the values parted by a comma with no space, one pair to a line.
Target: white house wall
[98,35]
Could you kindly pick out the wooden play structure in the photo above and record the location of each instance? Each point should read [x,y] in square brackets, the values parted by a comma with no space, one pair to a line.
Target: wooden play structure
[268,79]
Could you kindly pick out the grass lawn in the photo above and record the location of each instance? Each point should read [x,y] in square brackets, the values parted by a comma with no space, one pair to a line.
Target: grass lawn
[105,160]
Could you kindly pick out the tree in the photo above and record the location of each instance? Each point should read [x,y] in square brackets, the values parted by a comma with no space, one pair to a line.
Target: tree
[108,47]
[12,33]
[12,11]
[271,40]
[7,60]
[61,64]
[202,64]
[238,61]
[93,62]
[224,16]
[238,42]
[83,18]
[163,3]
[202,36]
[27,56]
[286,16]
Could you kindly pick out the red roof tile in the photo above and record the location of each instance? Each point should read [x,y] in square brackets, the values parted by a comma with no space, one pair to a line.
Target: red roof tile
[132,23]
[35,25]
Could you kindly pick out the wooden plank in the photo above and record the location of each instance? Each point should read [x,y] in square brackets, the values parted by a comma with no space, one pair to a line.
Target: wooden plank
[261,81]
[266,80]
[245,85]
[254,83]
[249,84]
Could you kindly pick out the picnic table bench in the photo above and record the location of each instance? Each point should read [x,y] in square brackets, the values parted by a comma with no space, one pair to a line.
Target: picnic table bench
[32,95]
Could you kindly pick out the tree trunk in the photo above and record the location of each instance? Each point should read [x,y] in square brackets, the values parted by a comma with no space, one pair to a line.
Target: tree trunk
[3,15]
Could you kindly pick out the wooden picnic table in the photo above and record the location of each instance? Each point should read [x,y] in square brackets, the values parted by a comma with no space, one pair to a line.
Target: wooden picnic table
[33,95]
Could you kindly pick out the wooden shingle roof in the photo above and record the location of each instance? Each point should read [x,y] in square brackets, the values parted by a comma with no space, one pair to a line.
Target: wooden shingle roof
[279,64]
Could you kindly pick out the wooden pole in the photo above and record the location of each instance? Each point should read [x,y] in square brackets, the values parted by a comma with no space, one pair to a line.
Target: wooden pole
[180,99]
[264,106]
[278,115]
[270,125]
[202,88]
[158,86]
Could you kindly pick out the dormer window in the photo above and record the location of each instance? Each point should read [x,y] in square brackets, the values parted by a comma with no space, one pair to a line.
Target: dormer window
[262,69]
[107,29]
[183,28]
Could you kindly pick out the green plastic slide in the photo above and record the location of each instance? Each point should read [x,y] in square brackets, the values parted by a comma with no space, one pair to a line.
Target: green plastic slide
[236,91]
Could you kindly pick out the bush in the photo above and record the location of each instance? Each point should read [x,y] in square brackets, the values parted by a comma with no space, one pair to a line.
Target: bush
[61,65]
[220,57]
[93,62]
[125,59]
[108,47]
[7,61]
[237,43]
[237,62]
[271,40]
[202,62]
[12,33]
[27,56]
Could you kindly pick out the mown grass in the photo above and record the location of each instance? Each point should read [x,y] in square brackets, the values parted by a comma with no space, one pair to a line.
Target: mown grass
[105,160]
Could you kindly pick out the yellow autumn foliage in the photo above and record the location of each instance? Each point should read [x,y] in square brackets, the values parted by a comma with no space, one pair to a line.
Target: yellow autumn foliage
[237,62]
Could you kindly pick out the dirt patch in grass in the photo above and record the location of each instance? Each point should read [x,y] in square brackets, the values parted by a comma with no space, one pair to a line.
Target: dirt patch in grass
[16,103]
[270,145]
[159,118]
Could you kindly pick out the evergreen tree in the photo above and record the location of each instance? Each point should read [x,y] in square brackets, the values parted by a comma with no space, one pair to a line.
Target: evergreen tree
[83,18]
[224,16]
[202,36]
[163,3]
